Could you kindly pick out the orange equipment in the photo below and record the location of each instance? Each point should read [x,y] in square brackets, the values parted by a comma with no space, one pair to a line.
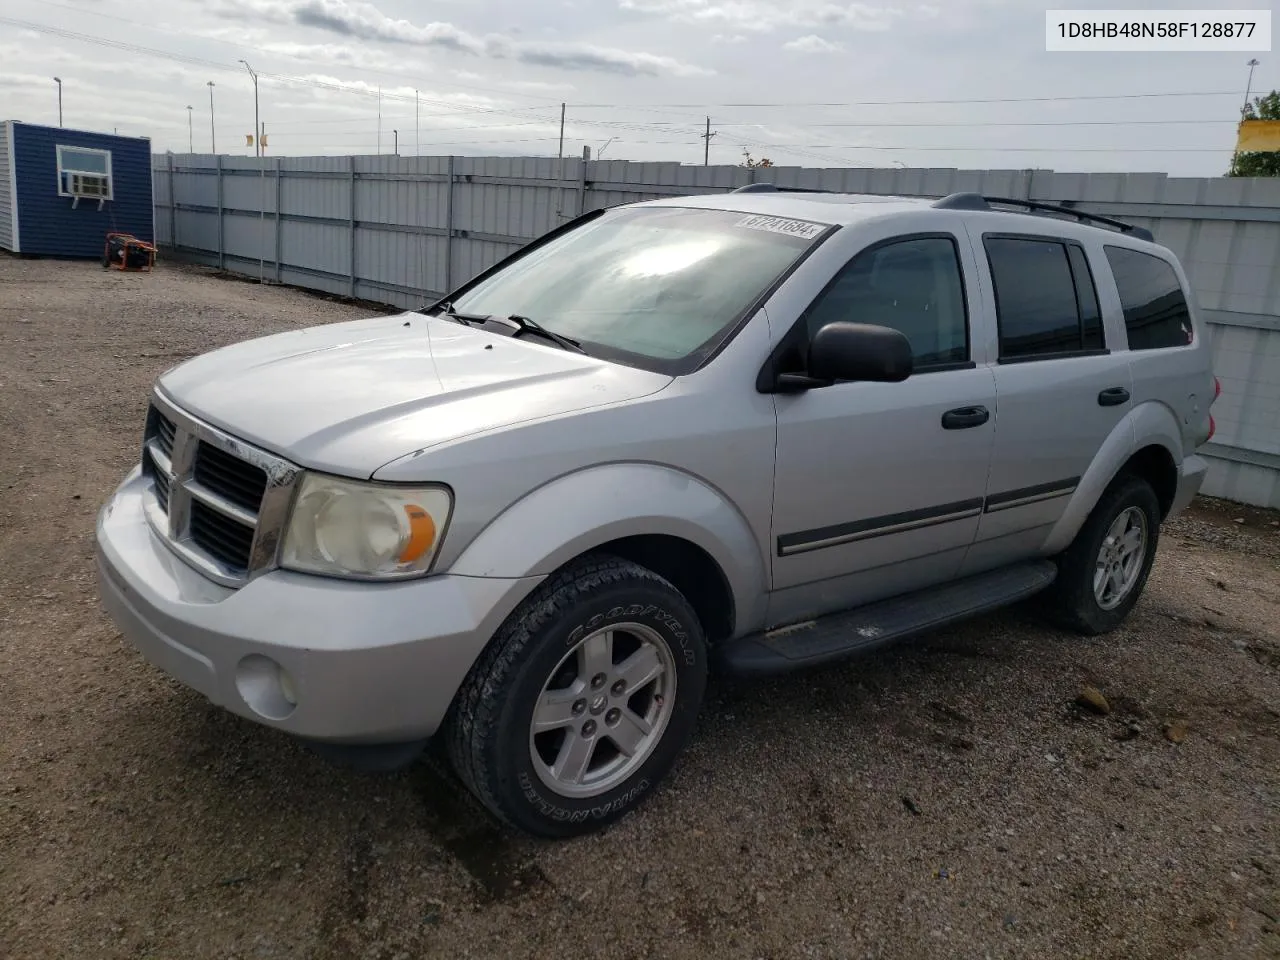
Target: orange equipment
[124,251]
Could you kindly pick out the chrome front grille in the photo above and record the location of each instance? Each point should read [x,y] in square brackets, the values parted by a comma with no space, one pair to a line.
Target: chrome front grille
[240,482]
[218,503]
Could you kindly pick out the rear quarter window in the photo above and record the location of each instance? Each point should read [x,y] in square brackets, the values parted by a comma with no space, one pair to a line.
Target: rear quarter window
[1156,315]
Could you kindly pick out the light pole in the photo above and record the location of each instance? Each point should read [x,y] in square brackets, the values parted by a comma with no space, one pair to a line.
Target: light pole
[1248,88]
[396,148]
[257,135]
[191,143]
[58,81]
[213,130]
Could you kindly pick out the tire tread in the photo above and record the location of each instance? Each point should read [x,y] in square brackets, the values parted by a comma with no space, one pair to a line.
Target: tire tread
[473,718]
[1072,604]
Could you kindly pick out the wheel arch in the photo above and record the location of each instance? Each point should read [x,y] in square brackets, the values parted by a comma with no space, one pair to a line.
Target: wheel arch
[1147,443]
[671,522]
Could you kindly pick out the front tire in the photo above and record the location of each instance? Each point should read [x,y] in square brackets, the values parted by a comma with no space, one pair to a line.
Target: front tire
[1102,574]
[583,700]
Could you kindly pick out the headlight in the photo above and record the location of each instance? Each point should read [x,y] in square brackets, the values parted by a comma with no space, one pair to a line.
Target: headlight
[365,530]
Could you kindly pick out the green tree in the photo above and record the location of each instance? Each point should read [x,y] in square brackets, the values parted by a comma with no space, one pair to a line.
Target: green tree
[1258,164]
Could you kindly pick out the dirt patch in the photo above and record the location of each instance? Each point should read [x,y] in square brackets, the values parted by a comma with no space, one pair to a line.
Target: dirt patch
[948,798]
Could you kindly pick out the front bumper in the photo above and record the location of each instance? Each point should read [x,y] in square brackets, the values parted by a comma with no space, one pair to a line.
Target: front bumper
[370,663]
[1190,479]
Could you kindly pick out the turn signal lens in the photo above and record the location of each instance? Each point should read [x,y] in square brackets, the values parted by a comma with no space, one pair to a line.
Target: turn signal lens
[422,533]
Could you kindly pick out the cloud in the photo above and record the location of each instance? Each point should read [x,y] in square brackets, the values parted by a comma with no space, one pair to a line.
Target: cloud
[767,15]
[812,44]
[577,56]
[728,38]
[364,21]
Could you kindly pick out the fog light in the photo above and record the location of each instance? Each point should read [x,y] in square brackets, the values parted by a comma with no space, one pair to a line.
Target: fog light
[287,689]
[265,687]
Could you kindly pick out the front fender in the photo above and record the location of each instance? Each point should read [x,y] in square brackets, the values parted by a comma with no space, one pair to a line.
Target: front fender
[586,509]
[1147,424]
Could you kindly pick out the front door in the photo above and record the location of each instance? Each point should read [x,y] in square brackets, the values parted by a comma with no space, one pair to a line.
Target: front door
[879,486]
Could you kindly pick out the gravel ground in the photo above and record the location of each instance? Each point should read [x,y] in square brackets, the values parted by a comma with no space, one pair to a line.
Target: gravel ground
[944,799]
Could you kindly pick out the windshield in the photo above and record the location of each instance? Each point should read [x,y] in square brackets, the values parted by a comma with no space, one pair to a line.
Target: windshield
[654,286]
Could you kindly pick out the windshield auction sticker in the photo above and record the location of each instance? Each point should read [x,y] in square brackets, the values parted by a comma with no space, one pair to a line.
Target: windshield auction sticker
[803,229]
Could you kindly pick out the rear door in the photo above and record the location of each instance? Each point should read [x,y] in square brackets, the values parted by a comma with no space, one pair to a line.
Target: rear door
[1060,390]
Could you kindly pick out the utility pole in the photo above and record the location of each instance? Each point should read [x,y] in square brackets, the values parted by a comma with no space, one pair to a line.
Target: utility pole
[417,127]
[1248,88]
[191,148]
[379,118]
[213,130]
[706,150]
[58,81]
[257,145]
[262,208]
[561,153]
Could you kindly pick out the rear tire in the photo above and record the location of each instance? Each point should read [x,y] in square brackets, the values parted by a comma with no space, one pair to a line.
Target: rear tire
[1102,574]
[583,700]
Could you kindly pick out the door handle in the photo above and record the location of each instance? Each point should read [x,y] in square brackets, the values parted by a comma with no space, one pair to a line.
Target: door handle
[964,417]
[1113,397]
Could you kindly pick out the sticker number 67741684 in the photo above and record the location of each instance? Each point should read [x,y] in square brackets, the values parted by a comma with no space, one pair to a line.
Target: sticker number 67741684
[803,229]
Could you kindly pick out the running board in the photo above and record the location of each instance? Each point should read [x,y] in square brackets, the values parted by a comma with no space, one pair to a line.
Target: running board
[841,635]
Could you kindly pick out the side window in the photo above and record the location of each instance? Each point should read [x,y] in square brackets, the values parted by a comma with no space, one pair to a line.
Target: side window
[1046,303]
[1155,308]
[1086,299]
[912,285]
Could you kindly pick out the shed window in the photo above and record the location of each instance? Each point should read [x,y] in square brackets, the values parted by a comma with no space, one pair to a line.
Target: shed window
[84,172]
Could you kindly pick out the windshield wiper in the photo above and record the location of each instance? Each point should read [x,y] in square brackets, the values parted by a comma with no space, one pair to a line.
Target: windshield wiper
[523,325]
[532,326]
[447,311]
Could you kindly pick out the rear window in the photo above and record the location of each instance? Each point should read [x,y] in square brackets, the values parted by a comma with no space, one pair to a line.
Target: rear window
[1156,315]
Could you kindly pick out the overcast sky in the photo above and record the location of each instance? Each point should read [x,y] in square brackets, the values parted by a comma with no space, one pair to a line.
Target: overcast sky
[639,76]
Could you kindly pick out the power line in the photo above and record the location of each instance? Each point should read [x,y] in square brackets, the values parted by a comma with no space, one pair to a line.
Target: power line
[1000,123]
[280,135]
[398,118]
[834,146]
[903,103]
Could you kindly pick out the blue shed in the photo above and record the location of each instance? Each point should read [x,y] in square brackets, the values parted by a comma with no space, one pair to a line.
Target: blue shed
[62,191]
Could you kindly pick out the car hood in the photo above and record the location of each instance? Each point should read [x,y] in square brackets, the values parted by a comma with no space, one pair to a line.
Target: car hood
[350,397]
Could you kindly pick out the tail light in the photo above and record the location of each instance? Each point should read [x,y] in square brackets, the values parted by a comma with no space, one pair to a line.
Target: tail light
[1217,392]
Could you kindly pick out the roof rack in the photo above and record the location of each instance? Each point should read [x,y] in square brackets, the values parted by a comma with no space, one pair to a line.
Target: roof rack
[976,201]
[774,188]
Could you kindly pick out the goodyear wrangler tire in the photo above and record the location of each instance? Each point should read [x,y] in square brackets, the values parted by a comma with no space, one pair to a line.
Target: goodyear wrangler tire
[583,700]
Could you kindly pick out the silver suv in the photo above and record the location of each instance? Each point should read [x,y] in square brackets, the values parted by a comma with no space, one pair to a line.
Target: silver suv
[751,432]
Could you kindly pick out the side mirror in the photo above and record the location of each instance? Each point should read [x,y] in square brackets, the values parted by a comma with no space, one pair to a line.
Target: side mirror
[859,351]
